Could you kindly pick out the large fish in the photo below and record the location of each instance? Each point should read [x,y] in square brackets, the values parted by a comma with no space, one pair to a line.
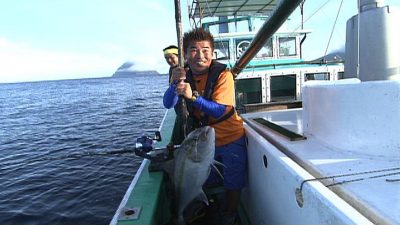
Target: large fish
[193,160]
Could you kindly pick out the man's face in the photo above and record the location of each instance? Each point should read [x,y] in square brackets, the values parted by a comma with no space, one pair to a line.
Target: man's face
[171,59]
[199,55]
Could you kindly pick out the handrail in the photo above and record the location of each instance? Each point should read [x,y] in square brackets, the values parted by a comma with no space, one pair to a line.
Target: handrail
[278,17]
[313,62]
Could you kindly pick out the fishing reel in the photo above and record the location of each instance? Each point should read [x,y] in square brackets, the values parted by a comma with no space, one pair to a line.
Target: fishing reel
[145,143]
[144,148]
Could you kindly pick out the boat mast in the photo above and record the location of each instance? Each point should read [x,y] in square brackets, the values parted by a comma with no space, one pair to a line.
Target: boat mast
[278,17]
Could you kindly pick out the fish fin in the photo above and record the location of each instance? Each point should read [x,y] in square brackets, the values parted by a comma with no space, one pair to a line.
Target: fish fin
[217,170]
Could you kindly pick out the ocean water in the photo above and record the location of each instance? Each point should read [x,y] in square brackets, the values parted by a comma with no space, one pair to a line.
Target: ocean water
[44,123]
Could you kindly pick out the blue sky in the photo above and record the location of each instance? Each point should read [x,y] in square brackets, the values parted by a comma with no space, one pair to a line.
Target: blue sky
[54,39]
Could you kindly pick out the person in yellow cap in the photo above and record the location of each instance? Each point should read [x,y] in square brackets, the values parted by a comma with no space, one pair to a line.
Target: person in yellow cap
[171,57]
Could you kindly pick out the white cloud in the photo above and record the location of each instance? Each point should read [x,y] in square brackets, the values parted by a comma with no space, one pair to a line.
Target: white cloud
[21,62]
[135,33]
[154,6]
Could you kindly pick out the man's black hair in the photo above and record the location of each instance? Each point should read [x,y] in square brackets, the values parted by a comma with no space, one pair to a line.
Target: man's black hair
[170,47]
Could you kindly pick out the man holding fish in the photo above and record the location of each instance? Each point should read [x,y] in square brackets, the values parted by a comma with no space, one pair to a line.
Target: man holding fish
[208,88]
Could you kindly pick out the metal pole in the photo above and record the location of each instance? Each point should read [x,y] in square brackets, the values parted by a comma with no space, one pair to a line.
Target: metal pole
[178,22]
[279,16]
[182,112]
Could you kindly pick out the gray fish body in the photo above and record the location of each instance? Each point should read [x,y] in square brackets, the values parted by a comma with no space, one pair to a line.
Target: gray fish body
[193,162]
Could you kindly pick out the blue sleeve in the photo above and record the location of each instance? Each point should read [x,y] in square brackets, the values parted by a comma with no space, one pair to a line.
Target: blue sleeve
[170,98]
[211,108]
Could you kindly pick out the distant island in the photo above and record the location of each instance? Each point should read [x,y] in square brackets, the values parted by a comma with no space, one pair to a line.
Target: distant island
[127,70]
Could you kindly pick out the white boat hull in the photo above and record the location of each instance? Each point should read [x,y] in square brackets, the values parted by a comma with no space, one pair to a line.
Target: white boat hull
[270,197]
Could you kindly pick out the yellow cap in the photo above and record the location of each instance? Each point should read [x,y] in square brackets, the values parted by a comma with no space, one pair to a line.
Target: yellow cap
[171,51]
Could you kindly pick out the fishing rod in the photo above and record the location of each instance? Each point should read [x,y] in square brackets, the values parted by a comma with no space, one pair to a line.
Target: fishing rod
[182,113]
[69,157]
[143,148]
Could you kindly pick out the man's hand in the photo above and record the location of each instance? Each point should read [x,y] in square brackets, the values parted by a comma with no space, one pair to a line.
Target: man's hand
[184,89]
[178,74]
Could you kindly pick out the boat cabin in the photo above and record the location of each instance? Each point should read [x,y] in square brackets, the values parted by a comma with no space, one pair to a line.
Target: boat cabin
[282,47]
[273,79]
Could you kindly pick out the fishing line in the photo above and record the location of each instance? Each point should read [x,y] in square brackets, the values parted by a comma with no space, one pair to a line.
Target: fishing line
[69,157]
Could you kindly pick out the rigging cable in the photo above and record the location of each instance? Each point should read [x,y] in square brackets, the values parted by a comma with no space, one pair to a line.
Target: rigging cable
[302,22]
[333,29]
[311,16]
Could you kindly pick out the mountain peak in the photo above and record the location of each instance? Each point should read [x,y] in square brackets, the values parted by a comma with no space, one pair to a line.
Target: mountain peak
[127,70]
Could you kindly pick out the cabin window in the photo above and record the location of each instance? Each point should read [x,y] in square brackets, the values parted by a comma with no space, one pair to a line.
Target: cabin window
[248,91]
[287,46]
[221,50]
[316,76]
[266,50]
[340,75]
[283,88]
[242,45]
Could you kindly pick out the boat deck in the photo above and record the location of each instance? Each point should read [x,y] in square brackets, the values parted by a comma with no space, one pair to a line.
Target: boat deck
[146,200]
[369,183]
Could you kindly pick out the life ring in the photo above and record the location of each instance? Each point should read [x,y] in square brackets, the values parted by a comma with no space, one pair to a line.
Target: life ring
[242,47]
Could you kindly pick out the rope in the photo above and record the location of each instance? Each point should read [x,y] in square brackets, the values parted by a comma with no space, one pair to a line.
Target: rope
[353,174]
[360,179]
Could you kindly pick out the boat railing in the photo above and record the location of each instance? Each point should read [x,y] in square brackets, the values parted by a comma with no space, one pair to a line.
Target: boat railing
[312,62]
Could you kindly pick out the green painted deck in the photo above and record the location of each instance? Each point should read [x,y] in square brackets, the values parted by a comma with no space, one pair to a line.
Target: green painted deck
[149,191]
